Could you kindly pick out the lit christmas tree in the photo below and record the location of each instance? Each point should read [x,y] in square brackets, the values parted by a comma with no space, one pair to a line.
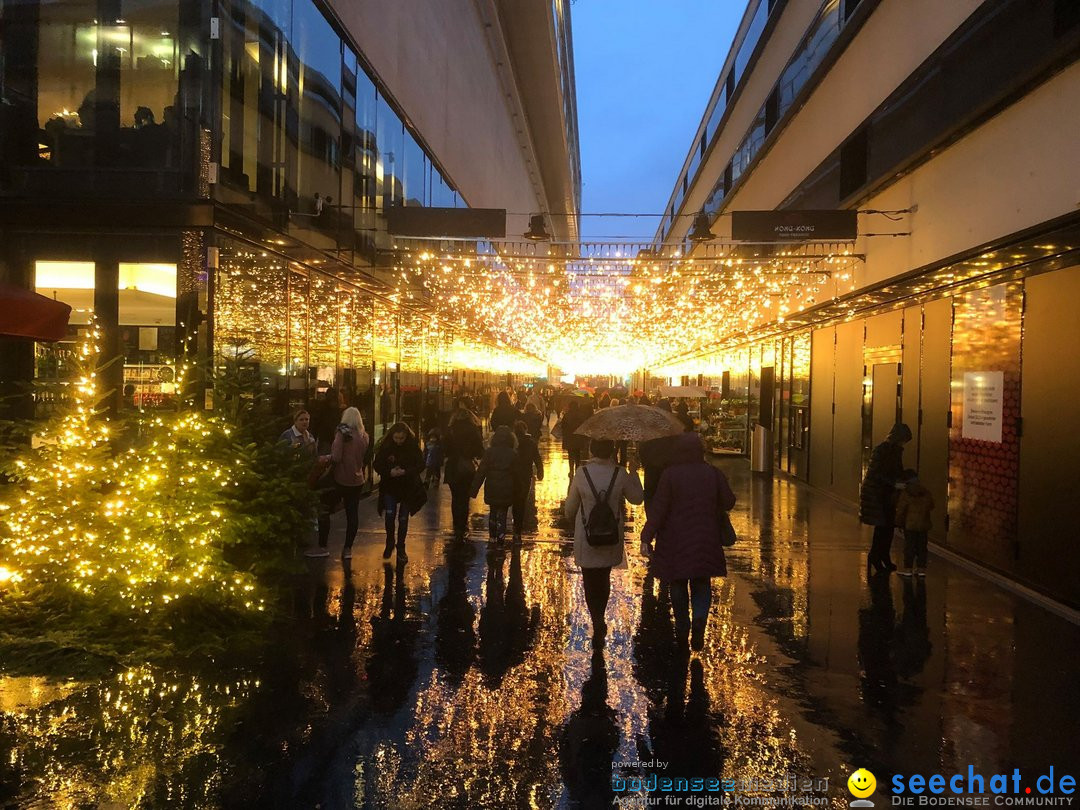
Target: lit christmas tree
[134,529]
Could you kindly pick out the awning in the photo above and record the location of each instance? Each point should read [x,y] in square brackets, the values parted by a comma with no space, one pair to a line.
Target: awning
[25,314]
[683,391]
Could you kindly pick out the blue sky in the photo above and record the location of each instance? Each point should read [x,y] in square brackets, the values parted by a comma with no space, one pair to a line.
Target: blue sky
[645,70]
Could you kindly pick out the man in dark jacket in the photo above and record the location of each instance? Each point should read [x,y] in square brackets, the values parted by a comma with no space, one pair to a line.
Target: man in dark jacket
[463,447]
[877,497]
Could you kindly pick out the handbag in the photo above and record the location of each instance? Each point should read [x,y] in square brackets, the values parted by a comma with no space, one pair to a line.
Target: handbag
[723,520]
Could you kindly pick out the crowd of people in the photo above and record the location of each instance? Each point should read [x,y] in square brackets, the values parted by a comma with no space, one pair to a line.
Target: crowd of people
[686,498]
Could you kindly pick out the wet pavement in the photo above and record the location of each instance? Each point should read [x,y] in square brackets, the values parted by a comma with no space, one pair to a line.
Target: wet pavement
[465,678]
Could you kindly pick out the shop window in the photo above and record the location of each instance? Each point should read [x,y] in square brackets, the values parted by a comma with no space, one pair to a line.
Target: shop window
[854,155]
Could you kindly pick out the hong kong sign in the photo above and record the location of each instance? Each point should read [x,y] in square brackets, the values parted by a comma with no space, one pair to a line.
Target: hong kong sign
[794,226]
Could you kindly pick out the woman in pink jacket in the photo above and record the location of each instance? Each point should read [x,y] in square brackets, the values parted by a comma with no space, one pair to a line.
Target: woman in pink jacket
[683,519]
[347,452]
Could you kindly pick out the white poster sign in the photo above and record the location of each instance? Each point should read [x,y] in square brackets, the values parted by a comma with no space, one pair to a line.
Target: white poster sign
[984,393]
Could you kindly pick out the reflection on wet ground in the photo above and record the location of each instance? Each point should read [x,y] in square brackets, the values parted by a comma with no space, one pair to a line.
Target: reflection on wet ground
[466,679]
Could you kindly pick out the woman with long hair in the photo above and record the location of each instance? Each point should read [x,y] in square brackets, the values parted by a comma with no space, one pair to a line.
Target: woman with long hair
[347,451]
[399,462]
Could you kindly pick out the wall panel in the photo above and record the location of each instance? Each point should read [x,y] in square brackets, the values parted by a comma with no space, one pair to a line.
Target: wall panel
[821,415]
[847,436]
[932,456]
[1050,406]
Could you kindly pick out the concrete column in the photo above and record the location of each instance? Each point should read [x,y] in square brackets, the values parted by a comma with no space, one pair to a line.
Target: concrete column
[107,309]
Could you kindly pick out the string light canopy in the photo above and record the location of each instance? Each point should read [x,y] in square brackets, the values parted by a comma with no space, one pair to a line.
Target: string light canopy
[616,307]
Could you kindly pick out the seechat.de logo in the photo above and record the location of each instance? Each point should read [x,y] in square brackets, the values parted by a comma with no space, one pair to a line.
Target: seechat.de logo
[862,783]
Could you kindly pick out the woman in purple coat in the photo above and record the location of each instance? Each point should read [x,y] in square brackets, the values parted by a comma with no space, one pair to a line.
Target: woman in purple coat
[683,520]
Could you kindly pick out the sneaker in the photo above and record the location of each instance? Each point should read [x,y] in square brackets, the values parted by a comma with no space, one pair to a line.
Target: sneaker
[317,552]
[920,572]
[346,553]
[906,572]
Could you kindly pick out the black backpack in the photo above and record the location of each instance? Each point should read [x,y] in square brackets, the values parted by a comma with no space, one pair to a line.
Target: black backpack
[601,527]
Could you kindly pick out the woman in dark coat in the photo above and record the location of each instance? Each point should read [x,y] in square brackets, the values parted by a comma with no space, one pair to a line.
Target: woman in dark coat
[877,497]
[496,474]
[399,462]
[505,413]
[528,457]
[571,442]
[463,446]
[683,519]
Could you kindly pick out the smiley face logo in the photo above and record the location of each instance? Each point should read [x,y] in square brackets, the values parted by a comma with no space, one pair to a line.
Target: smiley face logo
[861,783]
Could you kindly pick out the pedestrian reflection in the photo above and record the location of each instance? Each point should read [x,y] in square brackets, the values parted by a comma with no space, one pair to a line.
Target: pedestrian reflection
[913,644]
[588,743]
[653,641]
[392,664]
[507,627]
[875,646]
[455,638]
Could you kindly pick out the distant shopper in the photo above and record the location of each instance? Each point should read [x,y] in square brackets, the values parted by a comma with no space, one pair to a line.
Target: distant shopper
[298,435]
[534,420]
[878,495]
[505,414]
[913,510]
[399,462]
[683,519]
[595,503]
[528,459]
[496,475]
[573,444]
[433,457]
[463,447]
[347,453]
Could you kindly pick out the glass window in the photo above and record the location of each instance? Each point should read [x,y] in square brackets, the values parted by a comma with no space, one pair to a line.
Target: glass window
[442,194]
[251,306]
[753,34]
[318,49]
[812,50]
[86,91]
[415,173]
[298,329]
[323,330]
[390,142]
[715,116]
[365,184]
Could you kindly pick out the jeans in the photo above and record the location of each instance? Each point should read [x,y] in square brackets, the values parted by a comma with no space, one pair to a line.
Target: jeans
[687,593]
[914,548]
[497,523]
[395,507]
[459,504]
[351,497]
[597,584]
[880,548]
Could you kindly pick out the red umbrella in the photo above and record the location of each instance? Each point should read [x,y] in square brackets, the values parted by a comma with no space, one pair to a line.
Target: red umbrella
[25,314]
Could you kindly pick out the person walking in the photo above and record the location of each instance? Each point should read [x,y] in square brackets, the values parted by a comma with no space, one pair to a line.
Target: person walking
[463,448]
[528,458]
[598,532]
[877,496]
[913,510]
[534,420]
[571,442]
[399,462]
[298,435]
[684,522]
[347,453]
[496,475]
[505,414]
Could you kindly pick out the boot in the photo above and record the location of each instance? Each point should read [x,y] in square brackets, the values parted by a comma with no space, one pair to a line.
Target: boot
[697,635]
[682,634]
[389,544]
[401,532]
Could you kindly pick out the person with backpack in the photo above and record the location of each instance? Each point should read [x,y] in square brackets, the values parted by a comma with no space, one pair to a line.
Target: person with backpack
[528,459]
[463,447]
[684,520]
[595,503]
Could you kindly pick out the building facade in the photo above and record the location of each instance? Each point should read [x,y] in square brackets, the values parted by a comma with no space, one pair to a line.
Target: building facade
[950,128]
[214,178]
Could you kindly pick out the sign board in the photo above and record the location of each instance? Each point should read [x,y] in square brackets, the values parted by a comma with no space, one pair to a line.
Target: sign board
[984,393]
[449,223]
[794,226]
